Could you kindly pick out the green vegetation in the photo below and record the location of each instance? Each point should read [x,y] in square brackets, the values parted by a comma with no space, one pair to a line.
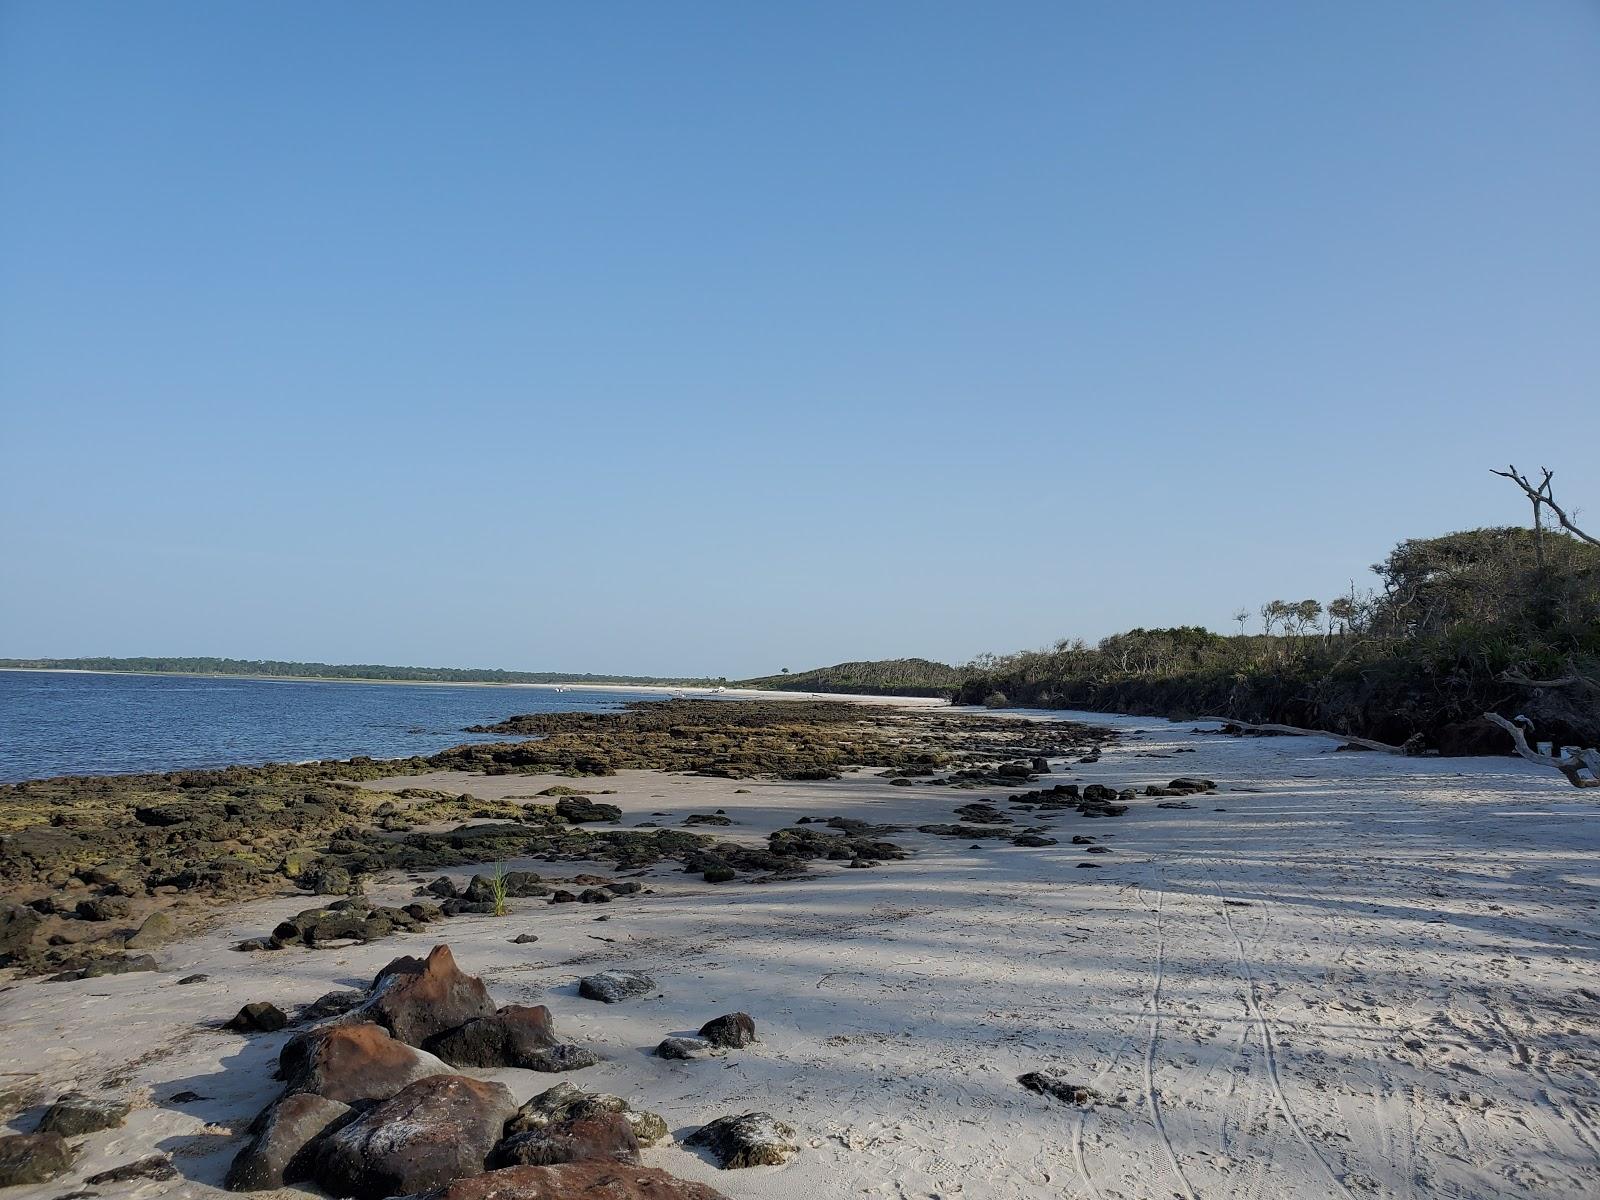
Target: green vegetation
[1504,620]
[270,668]
[888,677]
[498,890]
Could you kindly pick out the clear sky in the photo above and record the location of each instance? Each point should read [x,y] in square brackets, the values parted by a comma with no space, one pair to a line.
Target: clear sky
[718,338]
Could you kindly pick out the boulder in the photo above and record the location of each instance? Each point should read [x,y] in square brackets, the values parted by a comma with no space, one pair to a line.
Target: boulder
[319,926]
[754,1139]
[327,881]
[76,1113]
[516,1036]
[596,1179]
[259,1017]
[33,1157]
[433,1132]
[329,1005]
[730,1031]
[581,810]
[563,1057]
[685,1048]
[20,929]
[566,1103]
[603,1135]
[416,999]
[284,1142]
[612,987]
[157,928]
[105,908]
[351,1063]
[95,967]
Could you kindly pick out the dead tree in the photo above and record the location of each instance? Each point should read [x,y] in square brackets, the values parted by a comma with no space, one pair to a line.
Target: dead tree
[1573,764]
[1581,767]
[1541,498]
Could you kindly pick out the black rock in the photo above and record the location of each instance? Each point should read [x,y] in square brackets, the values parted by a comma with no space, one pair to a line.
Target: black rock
[730,1031]
[258,1017]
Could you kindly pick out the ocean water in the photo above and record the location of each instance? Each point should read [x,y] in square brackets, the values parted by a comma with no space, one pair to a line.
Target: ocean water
[62,723]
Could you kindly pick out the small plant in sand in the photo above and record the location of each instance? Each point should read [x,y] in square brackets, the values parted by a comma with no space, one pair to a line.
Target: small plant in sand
[497,890]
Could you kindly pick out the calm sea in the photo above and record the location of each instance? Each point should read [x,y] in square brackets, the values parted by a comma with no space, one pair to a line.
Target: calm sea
[56,723]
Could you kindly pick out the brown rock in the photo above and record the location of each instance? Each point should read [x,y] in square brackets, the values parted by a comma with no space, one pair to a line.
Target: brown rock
[431,1133]
[592,1180]
[349,1063]
[415,999]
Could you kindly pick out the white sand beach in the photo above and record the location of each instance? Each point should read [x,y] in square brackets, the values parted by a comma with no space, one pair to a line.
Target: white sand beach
[1341,975]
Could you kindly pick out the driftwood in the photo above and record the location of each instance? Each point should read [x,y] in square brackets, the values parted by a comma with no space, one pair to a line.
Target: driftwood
[1572,765]
[1412,747]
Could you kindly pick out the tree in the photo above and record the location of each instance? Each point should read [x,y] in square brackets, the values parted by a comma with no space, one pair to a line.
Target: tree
[1272,612]
[1343,610]
[1300,616]
[1242,616]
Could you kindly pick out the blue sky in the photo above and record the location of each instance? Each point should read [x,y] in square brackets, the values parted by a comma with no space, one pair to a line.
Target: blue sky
[724,337]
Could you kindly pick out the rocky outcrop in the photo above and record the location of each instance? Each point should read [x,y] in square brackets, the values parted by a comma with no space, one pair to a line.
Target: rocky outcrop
[346,921]
[284,1143]
[431,1133]
[352,1063]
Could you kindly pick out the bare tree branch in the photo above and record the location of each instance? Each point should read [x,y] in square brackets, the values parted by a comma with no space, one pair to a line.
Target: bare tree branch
[1543,495]
[1572,766]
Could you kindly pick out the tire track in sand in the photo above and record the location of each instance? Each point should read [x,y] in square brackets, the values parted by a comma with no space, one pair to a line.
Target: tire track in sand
[1151,1096]
[1269,1050]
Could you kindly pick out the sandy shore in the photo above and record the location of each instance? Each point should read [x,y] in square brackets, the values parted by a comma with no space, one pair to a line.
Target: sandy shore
[1341,975]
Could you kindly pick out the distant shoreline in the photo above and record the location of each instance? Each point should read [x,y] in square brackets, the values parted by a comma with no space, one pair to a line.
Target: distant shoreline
[573,685]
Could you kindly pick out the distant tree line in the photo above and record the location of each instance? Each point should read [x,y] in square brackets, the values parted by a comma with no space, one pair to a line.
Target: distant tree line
[883,677]
[315,670]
